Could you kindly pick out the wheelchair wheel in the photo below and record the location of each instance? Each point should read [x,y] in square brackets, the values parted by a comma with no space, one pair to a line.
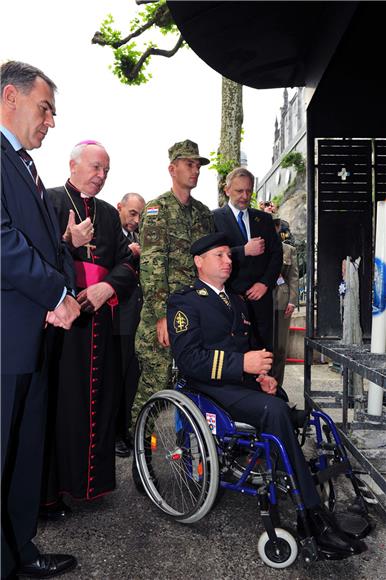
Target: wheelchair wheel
[281,556]
[176,456]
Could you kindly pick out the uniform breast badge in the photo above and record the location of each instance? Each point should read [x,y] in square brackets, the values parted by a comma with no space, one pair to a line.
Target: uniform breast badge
[202,292]
[180,322]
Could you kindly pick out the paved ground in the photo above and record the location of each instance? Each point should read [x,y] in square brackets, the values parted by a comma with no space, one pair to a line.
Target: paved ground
[123,536]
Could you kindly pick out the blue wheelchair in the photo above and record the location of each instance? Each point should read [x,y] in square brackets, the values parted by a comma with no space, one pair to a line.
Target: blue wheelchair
[187,449]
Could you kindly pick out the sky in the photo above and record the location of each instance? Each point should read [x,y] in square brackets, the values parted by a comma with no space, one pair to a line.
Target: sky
[137,125]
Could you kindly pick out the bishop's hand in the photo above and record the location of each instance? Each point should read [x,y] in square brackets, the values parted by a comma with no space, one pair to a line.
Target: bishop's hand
[92,298]
[78,234]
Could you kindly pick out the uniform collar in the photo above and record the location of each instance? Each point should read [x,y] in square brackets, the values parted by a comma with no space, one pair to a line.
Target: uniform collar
[216,290]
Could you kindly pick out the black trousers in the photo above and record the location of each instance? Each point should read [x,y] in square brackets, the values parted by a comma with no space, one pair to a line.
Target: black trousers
[271,414]
[130,378]
[23,417]
[262,317]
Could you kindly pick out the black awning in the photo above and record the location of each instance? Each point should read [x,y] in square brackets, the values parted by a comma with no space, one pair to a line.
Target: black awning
[264,44]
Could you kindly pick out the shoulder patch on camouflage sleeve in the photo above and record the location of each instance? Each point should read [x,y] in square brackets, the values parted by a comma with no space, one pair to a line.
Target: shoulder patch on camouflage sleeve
[152,210]
[180,322]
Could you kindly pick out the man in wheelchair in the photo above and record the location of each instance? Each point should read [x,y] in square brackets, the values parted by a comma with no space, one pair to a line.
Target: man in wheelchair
[210,340]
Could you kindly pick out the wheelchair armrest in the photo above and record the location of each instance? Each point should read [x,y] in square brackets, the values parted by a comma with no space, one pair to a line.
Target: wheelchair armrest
[245,427]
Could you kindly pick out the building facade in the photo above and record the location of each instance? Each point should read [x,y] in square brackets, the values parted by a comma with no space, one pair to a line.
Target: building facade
[289,135]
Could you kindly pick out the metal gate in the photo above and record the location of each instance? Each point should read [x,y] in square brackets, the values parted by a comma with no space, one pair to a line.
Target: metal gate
[350,176]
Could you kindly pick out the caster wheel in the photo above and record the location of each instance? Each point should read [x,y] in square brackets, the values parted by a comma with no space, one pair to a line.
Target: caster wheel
[282,555]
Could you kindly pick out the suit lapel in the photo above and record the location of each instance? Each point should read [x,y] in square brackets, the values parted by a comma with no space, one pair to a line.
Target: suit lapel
[254,223]
[46,210]
[232,226]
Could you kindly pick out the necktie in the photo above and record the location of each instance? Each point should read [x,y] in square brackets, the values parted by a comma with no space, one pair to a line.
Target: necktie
[32,169]
[225,299]
[242,227]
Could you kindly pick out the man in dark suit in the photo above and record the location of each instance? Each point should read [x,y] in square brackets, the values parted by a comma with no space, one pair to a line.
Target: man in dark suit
[256,252]
[36,277]
[209,335]
[125,324]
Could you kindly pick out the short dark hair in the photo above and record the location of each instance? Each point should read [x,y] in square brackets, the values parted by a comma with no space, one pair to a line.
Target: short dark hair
[22,75]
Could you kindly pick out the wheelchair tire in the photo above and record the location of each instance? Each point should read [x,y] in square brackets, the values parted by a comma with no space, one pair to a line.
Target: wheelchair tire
[176,456]
[287,545]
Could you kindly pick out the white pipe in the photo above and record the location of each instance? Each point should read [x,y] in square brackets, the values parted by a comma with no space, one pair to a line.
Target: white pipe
[378,329]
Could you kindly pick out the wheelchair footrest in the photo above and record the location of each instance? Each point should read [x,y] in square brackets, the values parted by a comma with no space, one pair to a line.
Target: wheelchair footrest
[354,524]
[332,471]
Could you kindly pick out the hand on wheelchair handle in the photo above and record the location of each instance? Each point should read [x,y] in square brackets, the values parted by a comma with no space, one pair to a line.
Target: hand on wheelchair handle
[257,362]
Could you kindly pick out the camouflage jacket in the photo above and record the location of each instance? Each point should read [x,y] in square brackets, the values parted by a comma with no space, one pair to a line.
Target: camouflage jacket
[167,230]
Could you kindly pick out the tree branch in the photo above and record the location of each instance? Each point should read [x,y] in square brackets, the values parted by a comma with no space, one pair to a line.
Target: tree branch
[137,32]
[161,16]
[98,37]
[151,51]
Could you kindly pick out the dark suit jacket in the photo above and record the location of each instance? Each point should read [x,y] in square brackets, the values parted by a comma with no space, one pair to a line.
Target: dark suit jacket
[35,265]
[247,270]
[128,312]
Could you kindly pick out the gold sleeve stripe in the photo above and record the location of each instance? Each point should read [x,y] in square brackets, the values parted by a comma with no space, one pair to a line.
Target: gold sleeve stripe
[214,366]
[220,364]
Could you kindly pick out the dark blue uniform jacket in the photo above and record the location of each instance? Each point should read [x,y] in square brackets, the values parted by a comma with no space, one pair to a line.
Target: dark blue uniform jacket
[208,341]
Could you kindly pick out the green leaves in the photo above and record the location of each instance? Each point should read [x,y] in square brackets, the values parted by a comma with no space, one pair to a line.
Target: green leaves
[125,62]
[109,35]
[130,59]
[220,164]
[296,159]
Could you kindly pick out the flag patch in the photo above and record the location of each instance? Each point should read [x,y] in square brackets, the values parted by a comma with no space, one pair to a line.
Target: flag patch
[152,210]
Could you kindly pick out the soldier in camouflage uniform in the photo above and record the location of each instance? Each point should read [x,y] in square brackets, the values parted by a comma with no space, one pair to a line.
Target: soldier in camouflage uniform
[170,224]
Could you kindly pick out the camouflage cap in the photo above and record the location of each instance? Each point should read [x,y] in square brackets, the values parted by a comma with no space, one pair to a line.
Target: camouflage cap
[186,150]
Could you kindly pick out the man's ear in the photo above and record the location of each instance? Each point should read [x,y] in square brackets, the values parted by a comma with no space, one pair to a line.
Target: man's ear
[172,170]
[119,206]
[197,261]
[10,93]
[72,165]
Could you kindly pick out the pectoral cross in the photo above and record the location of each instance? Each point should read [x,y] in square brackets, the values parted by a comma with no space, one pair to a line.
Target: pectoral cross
[88,246]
